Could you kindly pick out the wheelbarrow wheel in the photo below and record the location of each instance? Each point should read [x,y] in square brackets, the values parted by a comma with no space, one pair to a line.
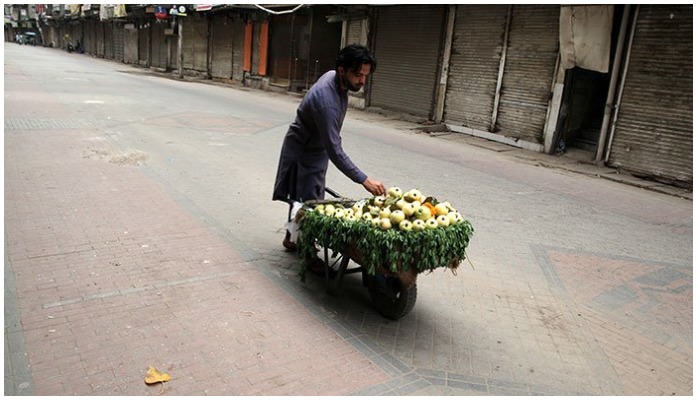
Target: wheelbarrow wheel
[391,298]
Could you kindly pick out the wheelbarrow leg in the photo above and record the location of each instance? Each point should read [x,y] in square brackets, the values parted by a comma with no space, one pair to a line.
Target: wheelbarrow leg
[333,286]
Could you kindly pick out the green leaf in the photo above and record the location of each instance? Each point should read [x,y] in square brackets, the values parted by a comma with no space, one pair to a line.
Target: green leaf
[392,249]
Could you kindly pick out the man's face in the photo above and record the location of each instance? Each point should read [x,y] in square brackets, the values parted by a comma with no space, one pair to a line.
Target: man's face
[355,80]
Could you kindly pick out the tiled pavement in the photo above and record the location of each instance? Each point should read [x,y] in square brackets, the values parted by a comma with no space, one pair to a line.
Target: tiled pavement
[111,277]
[107,274]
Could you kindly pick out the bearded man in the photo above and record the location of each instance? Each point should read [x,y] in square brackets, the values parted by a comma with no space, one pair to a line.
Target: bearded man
[314,137]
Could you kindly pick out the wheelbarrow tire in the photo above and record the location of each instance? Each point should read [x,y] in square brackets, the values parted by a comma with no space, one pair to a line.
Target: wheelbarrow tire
[390,297]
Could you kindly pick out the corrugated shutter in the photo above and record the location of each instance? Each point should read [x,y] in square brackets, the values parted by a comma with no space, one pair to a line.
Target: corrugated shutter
[99,38]
[85,36]
[118,34]
[131,46]
[533,45]
[654,131]
[222,47]
[159,48]
[143,45]
[194,43]
[407,46]
[238,33]
[109,40]
[255,57]
[77,34]
[325,44]
[477,45]
[325,40]
[288,45]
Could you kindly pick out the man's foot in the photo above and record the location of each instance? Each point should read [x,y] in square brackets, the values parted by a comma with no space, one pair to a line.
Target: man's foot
[317,267]
[288,244]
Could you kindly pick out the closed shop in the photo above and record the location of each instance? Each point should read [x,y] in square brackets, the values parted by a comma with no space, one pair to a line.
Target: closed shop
[324,46]
[407,44]
[159,46]
[238,42]
[143,44]
[256,29]
[80,34]
[50,36]
[108,39]
[222,46]
[131,44]
[289,47]
[653,135]
[118,35]
[194,42]
[99,38]
[477,46]
[531,56]
[85,34]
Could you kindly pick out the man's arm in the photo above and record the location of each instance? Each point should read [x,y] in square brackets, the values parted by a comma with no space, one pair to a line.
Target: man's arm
[328,124]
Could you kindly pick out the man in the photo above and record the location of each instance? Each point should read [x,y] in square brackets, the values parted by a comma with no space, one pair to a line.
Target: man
[314,137]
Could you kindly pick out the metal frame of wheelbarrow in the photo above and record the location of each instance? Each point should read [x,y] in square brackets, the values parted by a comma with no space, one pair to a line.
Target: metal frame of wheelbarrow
[334,284]
[378,286]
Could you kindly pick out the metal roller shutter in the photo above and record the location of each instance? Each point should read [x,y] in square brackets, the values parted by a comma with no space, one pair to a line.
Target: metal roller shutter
[86,36]
[131,45]
[99,39]
[118,34]
[194,43]
[77,34]
[238,32]
[143,45]
[477,45]
[288,55]
[533,45]
[222,47]
[159,46]
[654,131]
[408,43]
[109,40]
[325,43]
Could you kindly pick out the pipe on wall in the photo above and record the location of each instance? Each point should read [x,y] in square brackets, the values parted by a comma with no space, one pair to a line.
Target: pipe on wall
[613,84]
[442,86]
[501,71]
[622,85]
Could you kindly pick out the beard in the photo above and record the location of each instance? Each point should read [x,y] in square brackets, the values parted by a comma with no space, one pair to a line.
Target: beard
[346,82]
[354,88]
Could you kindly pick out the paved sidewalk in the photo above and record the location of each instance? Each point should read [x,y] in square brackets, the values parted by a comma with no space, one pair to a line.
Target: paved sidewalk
[112,276]
[112,266]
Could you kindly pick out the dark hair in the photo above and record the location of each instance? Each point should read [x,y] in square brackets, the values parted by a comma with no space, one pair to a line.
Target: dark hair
[353,56]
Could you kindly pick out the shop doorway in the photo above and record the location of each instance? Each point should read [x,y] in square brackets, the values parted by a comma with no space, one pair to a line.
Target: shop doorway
[584,101]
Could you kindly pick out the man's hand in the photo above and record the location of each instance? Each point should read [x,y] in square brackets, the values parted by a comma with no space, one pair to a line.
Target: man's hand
[374,187]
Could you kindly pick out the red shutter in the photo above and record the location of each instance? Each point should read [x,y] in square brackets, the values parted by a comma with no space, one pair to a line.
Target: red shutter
[247,46]
[262,67]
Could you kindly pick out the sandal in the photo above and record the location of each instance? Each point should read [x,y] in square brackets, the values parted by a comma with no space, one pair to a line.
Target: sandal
[318,267]
[288,244]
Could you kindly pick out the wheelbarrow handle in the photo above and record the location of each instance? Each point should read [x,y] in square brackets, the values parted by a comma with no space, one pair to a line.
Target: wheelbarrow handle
[332,192]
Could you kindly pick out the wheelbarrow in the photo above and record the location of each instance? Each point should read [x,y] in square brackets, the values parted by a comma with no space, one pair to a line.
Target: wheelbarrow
[393,291]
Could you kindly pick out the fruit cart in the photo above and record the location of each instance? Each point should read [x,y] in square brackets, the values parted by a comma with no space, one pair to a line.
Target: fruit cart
[389,257]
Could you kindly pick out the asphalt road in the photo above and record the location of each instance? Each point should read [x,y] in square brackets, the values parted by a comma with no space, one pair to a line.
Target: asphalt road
[580,285]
